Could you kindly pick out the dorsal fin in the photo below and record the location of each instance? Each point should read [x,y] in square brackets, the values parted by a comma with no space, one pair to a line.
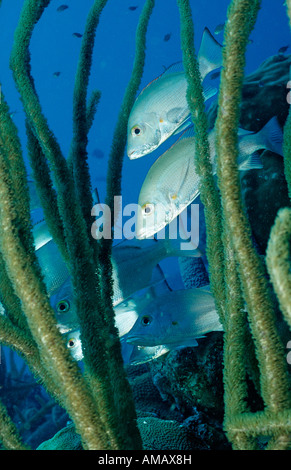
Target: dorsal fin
[209,58]
[173,68]
[210,54]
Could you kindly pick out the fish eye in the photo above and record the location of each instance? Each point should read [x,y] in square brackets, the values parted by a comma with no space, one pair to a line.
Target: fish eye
[147,208]
[71,343]
[146,320]
[63,306]
[136,130]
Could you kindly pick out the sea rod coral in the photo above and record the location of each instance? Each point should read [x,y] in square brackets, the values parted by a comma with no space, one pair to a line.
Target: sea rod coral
[235,267]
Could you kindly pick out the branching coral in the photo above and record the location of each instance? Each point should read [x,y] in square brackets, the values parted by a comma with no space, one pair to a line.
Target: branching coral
[99,402]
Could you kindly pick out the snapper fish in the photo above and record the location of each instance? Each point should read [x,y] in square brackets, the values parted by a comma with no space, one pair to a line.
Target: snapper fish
[64,306]
[51,262]
[172,183]
[161,109]
[135,267]
[175,320]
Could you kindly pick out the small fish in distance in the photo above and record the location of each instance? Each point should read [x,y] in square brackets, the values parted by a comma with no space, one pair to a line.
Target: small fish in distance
[219,28]
[62,8]
[283,49]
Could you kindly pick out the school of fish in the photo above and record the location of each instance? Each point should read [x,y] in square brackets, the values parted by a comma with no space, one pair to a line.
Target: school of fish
[152,318]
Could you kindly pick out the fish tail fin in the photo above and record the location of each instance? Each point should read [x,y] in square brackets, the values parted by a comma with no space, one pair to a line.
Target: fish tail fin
[206,320]
[210,54]
[275,135]
[270,137]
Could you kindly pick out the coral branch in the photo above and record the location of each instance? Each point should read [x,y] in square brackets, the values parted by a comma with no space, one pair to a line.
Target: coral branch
[278,260]
[208,192]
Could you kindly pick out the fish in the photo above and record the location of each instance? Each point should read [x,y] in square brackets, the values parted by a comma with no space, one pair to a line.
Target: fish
[132,8]
[41,234]
[133,262]
[77,35]
[126,312]
[62,8]
[176,319]
[167,37]
[135,267]
[97,153]
[56,74]
[172,183]
[283,49]
[219,28]
[62,302]
[74,344]
[161,109]
[126,315]
[64,306]
[53,267]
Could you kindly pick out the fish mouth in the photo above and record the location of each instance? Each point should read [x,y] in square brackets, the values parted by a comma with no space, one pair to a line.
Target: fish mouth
[133,155]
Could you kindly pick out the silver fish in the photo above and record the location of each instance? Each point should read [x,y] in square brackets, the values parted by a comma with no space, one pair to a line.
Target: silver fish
[176,319]
[172,183]
[51,262]
[161,109]
[135,267]
[62,301]
[41,234]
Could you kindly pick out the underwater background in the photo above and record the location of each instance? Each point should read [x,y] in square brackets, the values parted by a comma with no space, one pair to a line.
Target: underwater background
[181,393]
[55,49]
